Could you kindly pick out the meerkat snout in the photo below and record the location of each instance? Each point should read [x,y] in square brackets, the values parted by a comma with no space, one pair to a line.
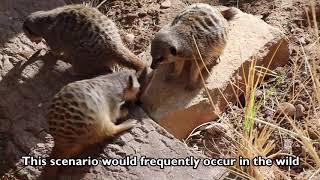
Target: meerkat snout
[33,36]
[163,50]
[33,26]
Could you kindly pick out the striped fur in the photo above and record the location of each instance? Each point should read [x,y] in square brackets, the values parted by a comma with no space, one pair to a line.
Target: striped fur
[84,36]
[85,112]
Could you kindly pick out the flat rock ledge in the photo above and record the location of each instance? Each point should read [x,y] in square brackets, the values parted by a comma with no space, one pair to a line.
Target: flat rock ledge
[26,87]
[146,139]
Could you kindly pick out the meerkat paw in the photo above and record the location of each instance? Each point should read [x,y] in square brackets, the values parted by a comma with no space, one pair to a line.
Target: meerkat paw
[126,125]
[131,122]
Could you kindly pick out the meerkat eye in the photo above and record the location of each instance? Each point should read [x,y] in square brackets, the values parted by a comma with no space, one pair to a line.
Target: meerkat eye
[173,51]
[160,59]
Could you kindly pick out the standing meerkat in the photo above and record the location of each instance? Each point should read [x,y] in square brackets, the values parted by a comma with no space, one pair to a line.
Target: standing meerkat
[81,36]
[175,43]
[84,112]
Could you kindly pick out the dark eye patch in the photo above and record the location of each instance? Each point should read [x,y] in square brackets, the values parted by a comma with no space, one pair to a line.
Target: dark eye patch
[173,51]
[156,62]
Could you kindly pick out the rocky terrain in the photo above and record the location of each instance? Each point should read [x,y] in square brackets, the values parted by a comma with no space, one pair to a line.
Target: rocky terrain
[29,78]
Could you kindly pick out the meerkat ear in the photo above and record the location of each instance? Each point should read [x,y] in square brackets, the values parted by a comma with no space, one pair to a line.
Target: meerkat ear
[173,50]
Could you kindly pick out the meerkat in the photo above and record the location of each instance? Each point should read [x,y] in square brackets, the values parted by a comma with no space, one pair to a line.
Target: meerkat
[82,36]
[174,43]
[85,112]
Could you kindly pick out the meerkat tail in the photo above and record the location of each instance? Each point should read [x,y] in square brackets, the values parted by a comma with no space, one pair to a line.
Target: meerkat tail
[130,60]
[229,13]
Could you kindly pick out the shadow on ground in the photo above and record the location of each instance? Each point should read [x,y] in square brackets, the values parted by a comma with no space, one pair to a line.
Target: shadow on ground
[26,90]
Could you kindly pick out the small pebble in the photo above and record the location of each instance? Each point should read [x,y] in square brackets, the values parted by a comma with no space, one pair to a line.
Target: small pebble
[287,145]
[268,113]
[165,4]
[302,40]
[286,108]
[299,111]
[142,13]
[129,38]
[259,94]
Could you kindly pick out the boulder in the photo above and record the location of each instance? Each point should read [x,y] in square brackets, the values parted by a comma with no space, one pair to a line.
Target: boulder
[180,111]
[27,85]
[146,139]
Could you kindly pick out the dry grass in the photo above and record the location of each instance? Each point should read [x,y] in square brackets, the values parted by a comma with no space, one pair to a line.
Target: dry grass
[252,140]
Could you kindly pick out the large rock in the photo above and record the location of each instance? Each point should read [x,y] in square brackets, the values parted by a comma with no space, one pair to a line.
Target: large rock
[26,87]
[146,139]
[180,111]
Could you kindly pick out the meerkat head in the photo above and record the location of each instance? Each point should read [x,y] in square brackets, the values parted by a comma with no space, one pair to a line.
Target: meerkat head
[164,49]
[34,26]
[132,88]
